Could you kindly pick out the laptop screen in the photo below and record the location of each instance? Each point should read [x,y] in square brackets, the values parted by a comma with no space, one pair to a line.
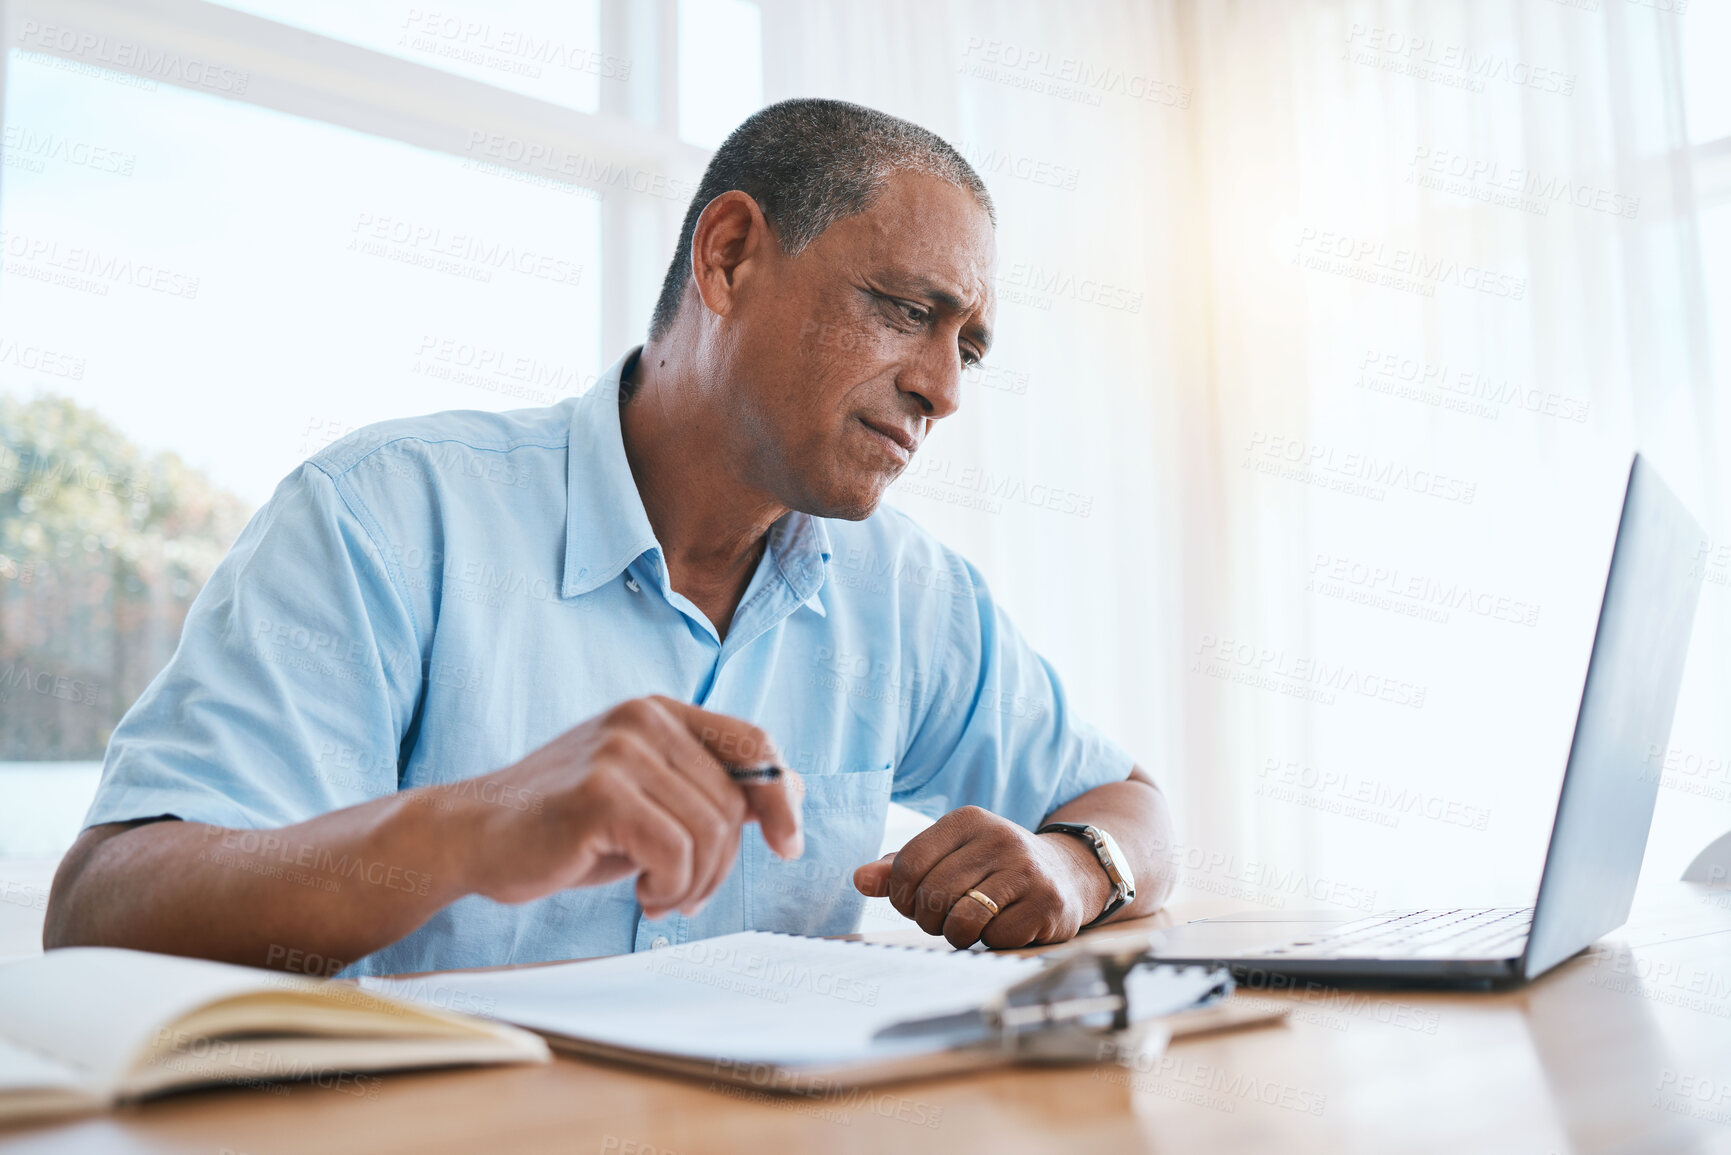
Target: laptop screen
[1623,726]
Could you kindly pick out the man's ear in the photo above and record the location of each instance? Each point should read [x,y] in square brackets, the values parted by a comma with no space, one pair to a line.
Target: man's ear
[730,242]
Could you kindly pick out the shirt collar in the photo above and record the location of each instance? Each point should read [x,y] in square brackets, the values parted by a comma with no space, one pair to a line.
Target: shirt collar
[606,526]
[800,544]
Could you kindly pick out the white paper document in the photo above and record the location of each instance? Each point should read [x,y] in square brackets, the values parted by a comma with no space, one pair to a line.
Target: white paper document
[752,997]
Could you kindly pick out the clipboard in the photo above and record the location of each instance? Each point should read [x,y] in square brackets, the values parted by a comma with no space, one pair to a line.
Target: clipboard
[694,1010]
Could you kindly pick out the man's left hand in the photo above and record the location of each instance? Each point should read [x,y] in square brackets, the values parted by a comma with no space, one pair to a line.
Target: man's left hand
[1046,885]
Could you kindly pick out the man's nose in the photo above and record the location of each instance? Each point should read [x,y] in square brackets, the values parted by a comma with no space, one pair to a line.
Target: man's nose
[935,381]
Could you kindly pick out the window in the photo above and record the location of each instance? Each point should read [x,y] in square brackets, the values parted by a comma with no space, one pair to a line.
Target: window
[548,49]
[1706,85]
[720,67]
[242,286]
[224,244]
[1707,112]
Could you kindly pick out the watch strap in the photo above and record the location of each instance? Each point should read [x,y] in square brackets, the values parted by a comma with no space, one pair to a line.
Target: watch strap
[1121,891]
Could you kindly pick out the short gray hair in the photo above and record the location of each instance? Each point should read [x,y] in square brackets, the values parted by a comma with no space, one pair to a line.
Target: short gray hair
[809,163]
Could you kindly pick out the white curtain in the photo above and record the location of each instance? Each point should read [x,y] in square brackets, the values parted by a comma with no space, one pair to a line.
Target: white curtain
[1325,331]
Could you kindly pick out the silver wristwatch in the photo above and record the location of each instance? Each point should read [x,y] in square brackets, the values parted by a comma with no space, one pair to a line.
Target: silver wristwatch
[1112,861]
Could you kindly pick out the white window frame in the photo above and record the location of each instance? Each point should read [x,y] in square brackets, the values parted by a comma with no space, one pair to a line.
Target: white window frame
[309,75]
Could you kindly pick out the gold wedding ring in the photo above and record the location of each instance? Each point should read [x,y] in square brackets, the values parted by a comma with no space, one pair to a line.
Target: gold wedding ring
[983,901]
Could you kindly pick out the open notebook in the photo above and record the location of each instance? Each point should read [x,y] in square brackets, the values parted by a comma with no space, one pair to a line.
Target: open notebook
[84,1027]
[782,1012]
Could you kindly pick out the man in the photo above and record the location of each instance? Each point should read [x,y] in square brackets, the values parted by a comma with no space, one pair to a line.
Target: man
[363,749]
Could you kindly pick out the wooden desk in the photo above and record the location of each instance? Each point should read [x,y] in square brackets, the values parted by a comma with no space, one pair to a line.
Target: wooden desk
[1625,1048]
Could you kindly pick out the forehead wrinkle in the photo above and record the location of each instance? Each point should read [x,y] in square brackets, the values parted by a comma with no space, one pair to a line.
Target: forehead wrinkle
[909,224]
[909,241]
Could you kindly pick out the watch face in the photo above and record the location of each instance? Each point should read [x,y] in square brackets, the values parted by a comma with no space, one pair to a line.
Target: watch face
[1117,862]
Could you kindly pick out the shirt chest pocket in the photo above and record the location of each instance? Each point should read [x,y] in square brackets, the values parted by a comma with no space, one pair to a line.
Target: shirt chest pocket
[814,894]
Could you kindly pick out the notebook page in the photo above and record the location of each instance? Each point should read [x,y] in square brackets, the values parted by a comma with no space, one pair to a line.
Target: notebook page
[95,1009]
[33,1085]
[750,997]
[22,1069]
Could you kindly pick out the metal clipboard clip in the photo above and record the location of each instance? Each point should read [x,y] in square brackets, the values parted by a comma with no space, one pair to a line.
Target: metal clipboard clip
[1088,1003]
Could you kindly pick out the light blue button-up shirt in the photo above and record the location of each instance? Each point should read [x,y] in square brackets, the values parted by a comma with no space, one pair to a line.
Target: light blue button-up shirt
[430,599]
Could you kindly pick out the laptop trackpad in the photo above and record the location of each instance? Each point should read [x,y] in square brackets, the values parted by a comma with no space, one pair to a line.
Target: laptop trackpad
[1236,935]
[1310,916]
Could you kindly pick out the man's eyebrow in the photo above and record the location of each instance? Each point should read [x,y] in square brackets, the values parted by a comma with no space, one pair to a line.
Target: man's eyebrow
[982,336]
[935,292]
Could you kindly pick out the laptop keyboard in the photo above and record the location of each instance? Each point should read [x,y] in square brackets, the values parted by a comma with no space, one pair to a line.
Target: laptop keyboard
[1468,932]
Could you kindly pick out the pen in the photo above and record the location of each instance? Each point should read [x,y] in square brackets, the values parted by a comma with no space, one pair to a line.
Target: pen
[752,773]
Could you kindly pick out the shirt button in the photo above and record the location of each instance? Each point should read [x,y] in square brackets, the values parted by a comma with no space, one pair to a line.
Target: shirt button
[660,941]
[631,584]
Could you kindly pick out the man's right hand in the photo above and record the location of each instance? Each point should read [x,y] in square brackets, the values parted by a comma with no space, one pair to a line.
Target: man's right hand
[640,789]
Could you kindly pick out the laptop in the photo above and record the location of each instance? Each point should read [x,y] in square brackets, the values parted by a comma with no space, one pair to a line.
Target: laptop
[1600,833]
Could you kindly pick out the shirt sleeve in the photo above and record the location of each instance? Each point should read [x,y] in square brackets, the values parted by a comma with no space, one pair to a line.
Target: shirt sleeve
[996,729]
[294,683]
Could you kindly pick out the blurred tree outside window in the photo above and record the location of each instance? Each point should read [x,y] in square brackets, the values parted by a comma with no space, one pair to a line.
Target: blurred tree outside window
[102,549]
